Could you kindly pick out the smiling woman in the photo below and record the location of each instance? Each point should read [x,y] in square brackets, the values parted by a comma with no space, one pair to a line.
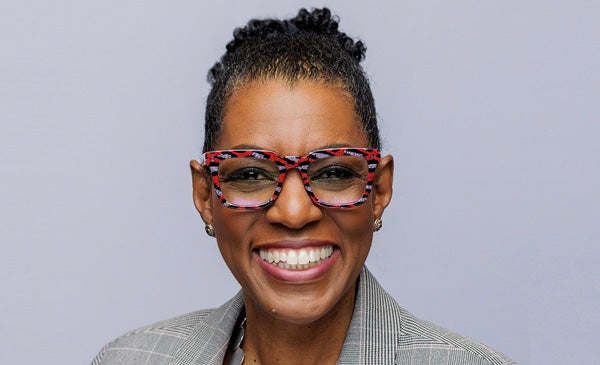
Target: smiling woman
[292,185]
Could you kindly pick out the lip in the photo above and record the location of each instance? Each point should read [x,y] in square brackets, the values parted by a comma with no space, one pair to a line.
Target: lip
[297,276]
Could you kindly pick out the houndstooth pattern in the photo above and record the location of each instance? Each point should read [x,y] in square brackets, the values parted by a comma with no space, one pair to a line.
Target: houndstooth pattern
[380,332]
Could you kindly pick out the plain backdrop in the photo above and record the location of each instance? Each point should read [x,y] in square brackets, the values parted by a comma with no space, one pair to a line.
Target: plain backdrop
[491,109]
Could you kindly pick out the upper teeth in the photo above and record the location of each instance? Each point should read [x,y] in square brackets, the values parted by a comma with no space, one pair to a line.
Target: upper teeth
[290,258]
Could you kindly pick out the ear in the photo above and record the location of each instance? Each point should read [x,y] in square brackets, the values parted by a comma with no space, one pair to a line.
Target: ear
[202,190]
[382,186]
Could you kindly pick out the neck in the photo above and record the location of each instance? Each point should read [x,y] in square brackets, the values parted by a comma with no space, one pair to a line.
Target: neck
[271,340]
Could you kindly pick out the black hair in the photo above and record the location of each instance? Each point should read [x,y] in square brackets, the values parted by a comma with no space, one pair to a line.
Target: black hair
[307,47]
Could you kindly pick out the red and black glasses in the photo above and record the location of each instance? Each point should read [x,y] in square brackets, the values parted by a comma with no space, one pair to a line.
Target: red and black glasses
[252,179]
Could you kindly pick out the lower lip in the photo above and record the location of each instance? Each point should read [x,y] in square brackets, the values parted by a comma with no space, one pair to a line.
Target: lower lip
[297,276]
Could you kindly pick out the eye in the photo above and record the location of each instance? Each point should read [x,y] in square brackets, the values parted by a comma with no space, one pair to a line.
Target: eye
[333,173]
[247,174]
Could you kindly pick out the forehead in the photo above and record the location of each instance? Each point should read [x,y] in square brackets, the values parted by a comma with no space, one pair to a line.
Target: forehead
[291,119]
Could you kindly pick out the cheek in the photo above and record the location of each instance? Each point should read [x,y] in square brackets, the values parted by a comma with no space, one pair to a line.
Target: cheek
[227,223]
[233,237]
[356,227]
[234,229]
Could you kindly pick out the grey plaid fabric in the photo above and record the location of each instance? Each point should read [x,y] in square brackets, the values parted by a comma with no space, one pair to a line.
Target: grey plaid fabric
[381,332]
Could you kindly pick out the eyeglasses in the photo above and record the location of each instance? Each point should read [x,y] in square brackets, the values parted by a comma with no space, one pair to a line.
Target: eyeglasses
[252,179]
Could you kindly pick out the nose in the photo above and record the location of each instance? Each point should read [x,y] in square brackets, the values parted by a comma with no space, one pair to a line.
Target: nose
[293,208]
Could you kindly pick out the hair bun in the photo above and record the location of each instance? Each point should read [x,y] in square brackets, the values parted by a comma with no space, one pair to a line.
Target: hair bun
[317,21]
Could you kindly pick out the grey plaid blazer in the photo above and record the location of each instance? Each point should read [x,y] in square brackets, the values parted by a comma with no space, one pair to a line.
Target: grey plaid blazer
[380,333]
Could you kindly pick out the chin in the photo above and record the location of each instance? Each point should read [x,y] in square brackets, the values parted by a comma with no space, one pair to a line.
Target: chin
[306,309]
[299,316]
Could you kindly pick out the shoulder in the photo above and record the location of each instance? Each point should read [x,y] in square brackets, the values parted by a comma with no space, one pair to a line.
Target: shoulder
[153,344]
[201,336]
[414,340]
[424,340]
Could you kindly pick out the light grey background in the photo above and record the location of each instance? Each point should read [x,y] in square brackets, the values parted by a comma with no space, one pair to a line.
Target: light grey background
[490,108]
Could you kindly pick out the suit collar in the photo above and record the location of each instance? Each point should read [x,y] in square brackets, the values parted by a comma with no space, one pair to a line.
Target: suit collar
[207,343]
[374,330]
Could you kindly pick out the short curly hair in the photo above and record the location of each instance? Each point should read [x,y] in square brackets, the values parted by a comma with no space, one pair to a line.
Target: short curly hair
[307,47]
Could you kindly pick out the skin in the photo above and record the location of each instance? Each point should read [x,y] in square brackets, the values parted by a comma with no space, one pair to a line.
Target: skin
[308,319]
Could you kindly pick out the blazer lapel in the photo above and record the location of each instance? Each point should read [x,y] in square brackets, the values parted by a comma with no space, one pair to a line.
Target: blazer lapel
[208,342]
[375,326]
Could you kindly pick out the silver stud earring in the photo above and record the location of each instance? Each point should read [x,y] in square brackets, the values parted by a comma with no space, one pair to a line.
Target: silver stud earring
[210,230]
[377,224]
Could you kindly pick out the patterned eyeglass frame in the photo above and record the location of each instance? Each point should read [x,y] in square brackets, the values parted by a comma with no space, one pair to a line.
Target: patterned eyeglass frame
[211,160]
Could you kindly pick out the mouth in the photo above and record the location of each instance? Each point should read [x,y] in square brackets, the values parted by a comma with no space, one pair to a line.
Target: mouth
[296,258]
[297,263]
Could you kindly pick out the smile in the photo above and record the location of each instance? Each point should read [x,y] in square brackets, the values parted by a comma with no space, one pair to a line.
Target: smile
[296,259]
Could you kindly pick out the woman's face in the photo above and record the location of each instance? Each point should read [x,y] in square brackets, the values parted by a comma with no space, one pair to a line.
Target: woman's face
[293,120]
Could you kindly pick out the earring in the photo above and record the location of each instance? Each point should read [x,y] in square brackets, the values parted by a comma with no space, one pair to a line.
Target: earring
[210,230]
[377,224]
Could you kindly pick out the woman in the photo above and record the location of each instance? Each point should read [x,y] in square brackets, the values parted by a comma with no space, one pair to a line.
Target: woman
[292,186]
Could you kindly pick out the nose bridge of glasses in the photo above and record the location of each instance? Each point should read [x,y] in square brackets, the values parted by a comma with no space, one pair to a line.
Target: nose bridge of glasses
[288,163]
[293,165]
[290,186]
